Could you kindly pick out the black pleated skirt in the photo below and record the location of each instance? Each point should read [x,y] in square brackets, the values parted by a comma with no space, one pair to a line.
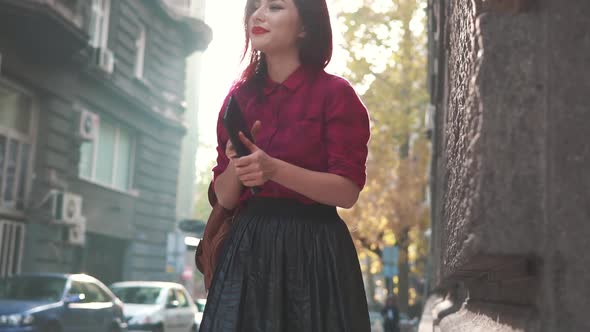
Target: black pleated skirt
[287,267]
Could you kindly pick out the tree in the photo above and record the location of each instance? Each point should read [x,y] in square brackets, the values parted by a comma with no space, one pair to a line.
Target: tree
[202,208]
[386,42]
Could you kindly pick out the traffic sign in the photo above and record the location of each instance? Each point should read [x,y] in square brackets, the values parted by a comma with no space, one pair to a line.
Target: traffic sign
[390,255]
[389,271]
[390,260]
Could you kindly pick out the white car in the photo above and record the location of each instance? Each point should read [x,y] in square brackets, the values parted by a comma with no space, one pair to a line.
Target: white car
[155,306]
[200,303]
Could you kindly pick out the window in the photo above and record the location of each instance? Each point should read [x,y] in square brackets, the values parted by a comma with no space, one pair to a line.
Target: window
[137,295]
[182,300]
[12,236]
[72,8]
[108,160]
[16,115]
[95,294]
[77,288]
[32,288]
[201,304]
[171,298]
[70,4]
[140,51]
[99,23]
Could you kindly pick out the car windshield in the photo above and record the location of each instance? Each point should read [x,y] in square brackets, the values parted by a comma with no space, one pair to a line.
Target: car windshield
[33,288]
[137,294]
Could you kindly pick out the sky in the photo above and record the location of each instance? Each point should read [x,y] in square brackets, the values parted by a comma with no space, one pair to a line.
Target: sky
[221,65]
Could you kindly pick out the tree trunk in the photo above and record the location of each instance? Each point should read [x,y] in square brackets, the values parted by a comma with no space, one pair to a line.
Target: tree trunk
[370,283]
[404,271]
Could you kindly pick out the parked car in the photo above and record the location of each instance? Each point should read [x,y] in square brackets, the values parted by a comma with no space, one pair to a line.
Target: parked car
[200,303]
[47,302]
[156,306]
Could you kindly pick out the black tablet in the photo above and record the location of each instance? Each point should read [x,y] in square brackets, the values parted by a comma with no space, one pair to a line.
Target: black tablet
[234,122]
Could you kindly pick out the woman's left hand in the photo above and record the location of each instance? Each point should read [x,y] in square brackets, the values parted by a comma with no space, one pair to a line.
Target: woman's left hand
[257,167]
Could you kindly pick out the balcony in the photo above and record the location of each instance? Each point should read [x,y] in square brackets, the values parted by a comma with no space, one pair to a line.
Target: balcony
[51,28]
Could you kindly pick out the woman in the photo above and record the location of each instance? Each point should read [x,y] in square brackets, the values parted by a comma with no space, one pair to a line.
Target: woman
[289,263]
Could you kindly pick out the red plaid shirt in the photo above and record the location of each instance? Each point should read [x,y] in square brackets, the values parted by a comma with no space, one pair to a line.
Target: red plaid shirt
[313,120]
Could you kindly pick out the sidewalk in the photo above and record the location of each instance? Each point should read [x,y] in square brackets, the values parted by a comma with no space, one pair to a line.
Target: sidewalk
[376,321]
[427,319]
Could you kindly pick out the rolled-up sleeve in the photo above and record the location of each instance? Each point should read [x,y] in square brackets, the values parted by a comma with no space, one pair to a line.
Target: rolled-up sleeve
[347,134]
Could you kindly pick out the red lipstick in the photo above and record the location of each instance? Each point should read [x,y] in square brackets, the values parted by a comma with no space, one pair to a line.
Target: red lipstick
[259,30]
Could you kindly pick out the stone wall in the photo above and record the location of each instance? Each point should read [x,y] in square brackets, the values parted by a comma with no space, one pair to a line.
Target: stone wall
[511,168]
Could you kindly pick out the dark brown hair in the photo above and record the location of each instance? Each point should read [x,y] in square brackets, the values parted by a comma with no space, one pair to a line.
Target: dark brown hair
[316,45]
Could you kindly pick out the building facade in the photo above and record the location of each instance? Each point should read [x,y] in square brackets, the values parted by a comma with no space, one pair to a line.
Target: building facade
[510,182]
[180,255]
[91,124]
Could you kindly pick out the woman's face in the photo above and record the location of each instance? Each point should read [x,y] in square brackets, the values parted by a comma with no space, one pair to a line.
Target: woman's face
[275,27]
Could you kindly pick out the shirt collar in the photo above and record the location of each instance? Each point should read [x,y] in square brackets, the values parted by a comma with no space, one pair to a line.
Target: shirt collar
[291,83]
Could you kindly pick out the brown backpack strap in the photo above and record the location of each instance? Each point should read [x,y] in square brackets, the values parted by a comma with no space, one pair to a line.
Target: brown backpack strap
[216,231]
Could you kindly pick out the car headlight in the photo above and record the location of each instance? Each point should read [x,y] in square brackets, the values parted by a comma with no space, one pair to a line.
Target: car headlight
[17,319]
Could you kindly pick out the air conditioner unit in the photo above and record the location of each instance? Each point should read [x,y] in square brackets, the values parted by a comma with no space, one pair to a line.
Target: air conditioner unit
[89,125]
[106,60]
[76,233]
[67,208]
